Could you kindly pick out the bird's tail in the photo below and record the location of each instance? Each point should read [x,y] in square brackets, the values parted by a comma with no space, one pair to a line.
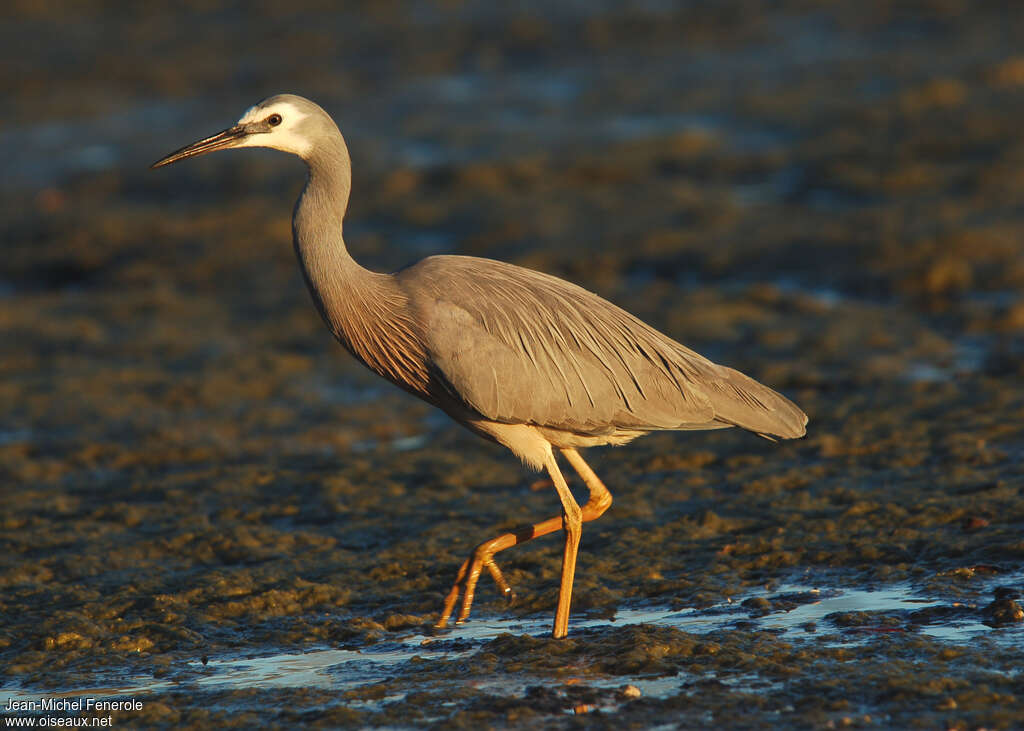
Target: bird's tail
[745,403]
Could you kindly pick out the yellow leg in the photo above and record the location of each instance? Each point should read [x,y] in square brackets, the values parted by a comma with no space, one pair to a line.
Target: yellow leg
[483,555]
[572,522]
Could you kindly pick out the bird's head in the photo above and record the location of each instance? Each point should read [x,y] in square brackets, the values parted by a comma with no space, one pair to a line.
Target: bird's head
[284,122]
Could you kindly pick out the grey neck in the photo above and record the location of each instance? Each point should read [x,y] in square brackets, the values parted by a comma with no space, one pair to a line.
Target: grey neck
[328,268]
[367,312]
[320,210]
[351,300]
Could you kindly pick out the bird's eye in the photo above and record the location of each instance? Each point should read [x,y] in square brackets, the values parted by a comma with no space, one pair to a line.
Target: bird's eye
[274,119]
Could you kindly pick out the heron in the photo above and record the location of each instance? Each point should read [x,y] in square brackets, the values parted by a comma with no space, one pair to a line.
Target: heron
[519,357]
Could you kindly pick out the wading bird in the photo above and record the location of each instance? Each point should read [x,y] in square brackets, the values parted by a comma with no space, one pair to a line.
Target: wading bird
[518,357]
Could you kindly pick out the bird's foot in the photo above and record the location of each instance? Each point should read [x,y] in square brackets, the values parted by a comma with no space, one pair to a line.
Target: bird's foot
[466,581]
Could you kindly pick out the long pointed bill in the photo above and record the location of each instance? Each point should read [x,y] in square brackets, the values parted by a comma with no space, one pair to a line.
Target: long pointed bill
[230,137]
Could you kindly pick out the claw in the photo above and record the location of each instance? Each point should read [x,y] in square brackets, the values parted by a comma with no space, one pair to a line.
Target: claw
[499,579]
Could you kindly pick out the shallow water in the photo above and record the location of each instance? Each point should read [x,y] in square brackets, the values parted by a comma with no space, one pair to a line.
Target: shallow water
[806,617]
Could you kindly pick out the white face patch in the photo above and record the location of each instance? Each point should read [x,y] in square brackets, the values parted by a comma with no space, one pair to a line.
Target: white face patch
[285,136]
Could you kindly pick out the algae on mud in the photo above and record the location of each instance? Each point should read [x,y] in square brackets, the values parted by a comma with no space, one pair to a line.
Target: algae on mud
[824,196]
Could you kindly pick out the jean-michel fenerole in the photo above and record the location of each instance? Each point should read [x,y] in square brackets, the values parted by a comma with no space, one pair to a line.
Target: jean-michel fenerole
[71,704]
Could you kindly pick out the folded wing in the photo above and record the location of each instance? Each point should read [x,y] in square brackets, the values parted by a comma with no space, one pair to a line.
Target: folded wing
[519,346]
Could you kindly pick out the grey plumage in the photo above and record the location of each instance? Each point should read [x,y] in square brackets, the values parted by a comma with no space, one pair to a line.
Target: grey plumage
[517,356]
[519,346]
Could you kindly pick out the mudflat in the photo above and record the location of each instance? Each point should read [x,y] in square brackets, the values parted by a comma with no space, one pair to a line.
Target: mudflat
[209,508]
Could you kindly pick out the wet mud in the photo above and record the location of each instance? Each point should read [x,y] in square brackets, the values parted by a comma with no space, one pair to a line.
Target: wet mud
[207,506]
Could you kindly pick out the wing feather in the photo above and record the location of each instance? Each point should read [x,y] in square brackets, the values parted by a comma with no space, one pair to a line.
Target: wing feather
[519,346]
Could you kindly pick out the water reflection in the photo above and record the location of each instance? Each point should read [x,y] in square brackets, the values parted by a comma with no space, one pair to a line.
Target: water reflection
[798,611]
